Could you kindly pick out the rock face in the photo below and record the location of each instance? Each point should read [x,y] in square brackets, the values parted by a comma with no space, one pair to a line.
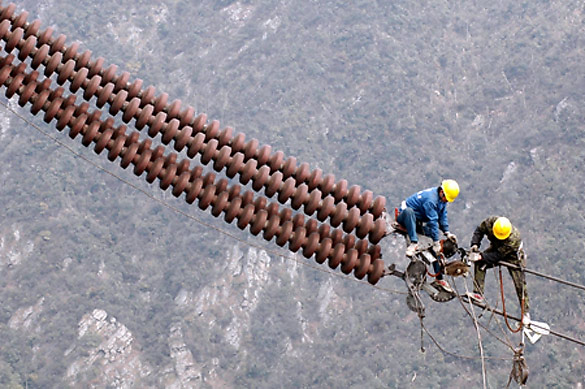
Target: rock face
[114,356]
[187,372]
[25,318]
[13,248]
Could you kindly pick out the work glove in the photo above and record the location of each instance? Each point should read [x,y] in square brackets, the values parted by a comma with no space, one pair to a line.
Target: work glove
[474,256]
[474,249]
[451,237]
[437,247]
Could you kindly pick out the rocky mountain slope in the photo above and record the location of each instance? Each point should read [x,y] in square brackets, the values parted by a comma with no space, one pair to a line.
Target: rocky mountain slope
[104,286]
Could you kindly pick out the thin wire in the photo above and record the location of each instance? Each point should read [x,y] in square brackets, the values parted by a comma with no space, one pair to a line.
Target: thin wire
[444,351]
[487,307]
[480,345]
[185,214]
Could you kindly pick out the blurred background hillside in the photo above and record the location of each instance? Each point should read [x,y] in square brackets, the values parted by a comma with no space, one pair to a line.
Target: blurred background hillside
[102,286]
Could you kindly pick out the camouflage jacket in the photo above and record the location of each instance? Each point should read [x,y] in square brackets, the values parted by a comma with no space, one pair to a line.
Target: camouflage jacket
[507,249]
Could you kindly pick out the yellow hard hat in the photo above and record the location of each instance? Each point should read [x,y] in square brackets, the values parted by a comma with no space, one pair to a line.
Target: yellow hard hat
[451,189]
[502,228]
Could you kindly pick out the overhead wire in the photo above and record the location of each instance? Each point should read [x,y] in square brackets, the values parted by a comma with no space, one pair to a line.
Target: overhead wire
[539,274]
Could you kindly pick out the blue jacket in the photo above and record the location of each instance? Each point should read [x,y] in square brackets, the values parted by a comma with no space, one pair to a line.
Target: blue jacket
[429,208]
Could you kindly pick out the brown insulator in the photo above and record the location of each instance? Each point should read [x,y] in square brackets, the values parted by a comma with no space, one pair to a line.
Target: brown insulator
[376,271]
[298,220]
[263,155]
[104,94]
[246,217]
[225,136]
[365,201]
[353,196]
[349,261]
[222,185]
[186,116]
[131,110]
[302,173]
[378,206]
[197,143]
[276,161]
[96,67]
[250,148]
[327,208]
[337,255]
[327,184]
[271,227]
[206,197]
[290,166]
[20,20]
[284,233]
[208,151]
[378,232]
[199,122]
[78,80]
[39,56]
[260,178]
[103,140]
[298,239]
[259,222]
[311,245]
[92,87]
[183,139]
[220,204]
[236,164]
[182,184]
[364,265]
[313,202]
[274,183]
[249,171]
[238,142]
[366,225]
[287,190]
[233,209]
[339,214]
[15,37]
[300,197]
[168,176]
[223,157]
[340,190]
[315,179]
[324,250]
[27,48]
[353,217]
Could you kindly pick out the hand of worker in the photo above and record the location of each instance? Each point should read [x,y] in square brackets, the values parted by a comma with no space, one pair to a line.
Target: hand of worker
[474,257]
[451,237]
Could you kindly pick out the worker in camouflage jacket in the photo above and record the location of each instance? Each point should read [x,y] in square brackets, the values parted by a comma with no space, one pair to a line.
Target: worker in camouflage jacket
[505,245]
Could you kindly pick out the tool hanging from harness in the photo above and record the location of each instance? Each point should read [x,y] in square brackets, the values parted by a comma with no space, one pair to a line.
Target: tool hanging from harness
[519,371]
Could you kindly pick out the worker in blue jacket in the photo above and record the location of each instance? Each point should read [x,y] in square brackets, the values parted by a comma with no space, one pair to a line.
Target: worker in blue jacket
[428,208]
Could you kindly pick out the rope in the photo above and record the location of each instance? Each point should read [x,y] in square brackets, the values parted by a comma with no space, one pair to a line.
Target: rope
[479,343]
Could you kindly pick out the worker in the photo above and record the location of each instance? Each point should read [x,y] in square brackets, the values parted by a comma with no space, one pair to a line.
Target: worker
[428,209]
[505,245]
